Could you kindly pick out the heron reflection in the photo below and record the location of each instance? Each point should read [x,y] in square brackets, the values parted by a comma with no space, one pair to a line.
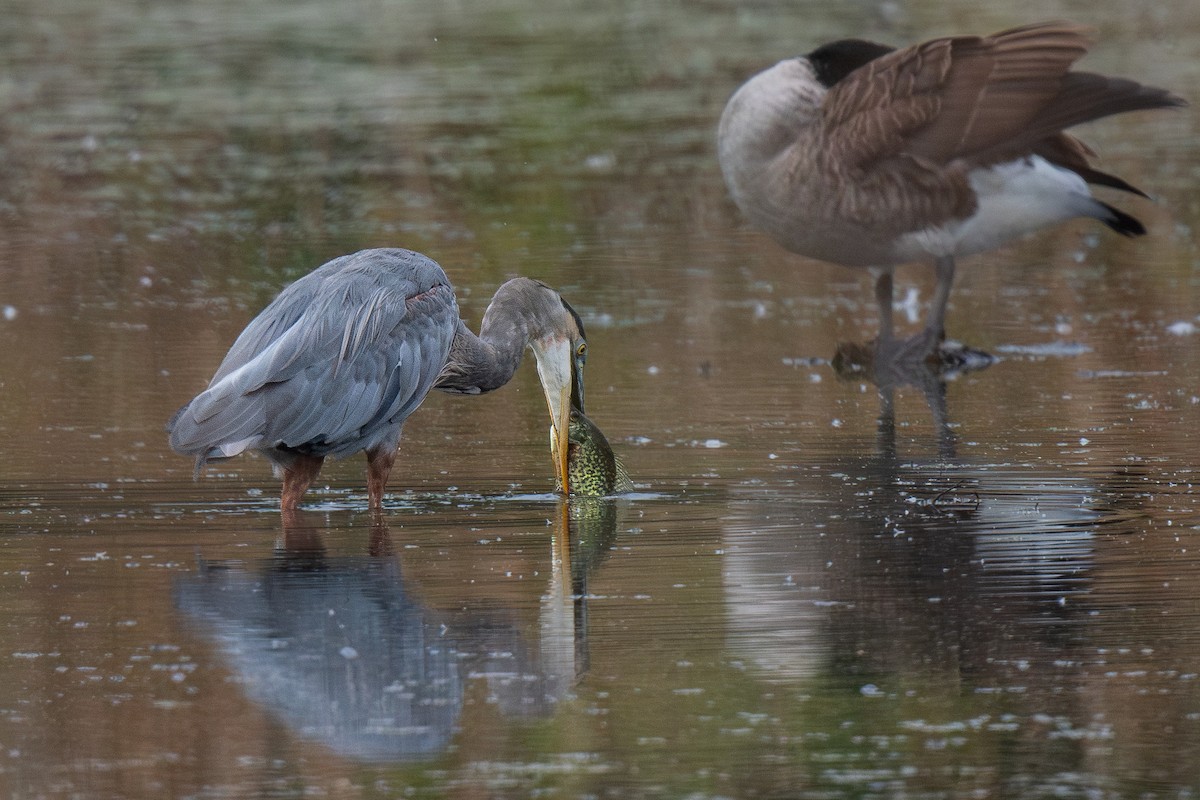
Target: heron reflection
[340,359]
[350,651]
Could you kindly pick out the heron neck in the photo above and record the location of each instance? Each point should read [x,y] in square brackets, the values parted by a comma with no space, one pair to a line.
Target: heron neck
[485,362]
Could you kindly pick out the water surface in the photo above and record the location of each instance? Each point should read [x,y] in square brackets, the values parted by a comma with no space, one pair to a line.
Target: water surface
[816,591]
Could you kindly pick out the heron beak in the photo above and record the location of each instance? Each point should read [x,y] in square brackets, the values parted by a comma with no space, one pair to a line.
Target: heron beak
[557,371]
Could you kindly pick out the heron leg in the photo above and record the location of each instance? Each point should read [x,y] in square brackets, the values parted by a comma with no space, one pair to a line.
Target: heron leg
[297,478]
[379,467]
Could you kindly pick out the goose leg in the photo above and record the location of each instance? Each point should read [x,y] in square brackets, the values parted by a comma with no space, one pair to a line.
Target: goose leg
[297,478]
[887,348]
[935,327]
[921,346]
[883,299]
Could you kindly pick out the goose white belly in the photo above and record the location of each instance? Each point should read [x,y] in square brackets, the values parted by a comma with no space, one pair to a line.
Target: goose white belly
[1013,199]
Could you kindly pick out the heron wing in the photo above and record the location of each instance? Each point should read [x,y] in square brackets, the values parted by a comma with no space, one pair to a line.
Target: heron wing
[337,361]
[279,318]
[374,372]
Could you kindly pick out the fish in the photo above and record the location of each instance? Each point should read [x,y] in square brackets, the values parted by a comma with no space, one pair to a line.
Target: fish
[593,469]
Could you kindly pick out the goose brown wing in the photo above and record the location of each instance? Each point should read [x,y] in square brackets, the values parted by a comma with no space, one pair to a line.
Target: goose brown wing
[952,97]
[981,99]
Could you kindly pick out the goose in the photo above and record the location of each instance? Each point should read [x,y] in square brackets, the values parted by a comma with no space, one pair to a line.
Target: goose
[869,156]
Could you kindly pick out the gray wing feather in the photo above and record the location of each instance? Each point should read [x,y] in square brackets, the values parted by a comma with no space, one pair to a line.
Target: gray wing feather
[280,317]
[332,366]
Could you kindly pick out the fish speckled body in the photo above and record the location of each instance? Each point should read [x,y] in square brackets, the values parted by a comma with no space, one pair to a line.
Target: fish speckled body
[593,469]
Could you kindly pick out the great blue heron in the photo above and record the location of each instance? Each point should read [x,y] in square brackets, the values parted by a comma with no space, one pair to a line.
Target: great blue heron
[867,156]
[336,363]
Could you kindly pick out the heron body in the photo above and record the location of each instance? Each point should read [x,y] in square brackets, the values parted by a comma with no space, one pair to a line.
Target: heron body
[868,156]
[340,359]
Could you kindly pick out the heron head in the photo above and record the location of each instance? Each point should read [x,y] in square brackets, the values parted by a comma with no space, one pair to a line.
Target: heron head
[561,351]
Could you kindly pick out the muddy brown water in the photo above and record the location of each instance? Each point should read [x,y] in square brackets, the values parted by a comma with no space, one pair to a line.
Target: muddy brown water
[814,592]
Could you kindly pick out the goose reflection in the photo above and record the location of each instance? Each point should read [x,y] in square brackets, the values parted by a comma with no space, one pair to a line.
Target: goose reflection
[855,361]
[345,651]
[877,564]
[939,598]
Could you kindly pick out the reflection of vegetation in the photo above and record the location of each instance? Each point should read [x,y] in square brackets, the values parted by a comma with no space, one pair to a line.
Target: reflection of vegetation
[304,134]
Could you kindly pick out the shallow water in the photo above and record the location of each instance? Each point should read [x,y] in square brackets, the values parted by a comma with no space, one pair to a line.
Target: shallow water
[815,592]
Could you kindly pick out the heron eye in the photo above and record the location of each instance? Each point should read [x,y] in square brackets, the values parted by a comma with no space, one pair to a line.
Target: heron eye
[581,350]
